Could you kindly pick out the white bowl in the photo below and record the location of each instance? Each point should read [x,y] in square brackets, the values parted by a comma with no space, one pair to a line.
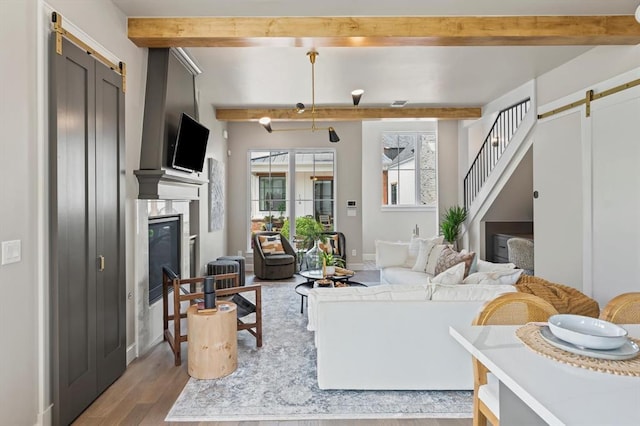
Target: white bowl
[587,332]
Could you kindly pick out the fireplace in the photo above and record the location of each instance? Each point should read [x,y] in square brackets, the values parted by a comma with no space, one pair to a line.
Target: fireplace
[164,250]
[170,221]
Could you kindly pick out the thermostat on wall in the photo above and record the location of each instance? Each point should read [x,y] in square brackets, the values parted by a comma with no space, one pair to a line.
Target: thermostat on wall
[351,203]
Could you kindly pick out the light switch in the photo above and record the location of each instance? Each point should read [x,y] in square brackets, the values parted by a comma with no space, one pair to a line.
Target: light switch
[11,251]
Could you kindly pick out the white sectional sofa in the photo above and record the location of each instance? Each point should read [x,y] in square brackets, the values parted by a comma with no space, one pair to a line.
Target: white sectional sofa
[394,336]
[415,261]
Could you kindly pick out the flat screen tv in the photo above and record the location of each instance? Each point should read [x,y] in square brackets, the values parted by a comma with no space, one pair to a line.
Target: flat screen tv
[191,145]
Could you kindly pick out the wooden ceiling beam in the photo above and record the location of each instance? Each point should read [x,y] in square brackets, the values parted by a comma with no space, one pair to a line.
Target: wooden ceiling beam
[348,114]
[384,31]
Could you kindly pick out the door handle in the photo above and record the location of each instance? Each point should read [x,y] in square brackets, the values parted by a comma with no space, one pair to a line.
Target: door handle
[101,259]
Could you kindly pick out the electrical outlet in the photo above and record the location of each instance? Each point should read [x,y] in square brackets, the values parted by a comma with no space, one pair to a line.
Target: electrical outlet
[239,252]
[354,252]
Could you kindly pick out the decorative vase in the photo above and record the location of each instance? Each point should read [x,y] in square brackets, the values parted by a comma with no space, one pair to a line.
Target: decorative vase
[314,261]
[331,270]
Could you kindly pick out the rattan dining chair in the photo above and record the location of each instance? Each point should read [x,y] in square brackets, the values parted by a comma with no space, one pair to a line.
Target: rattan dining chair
[623,309]
[507,309]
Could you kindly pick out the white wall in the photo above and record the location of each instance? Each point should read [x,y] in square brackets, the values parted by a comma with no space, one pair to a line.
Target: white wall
[211,244]
[594,66]
[248,136]
[600,191]
[24,395]
[390,225]
[20,181]
[448,180]
[595,159]
[515,201]
[473,234]
[393,225]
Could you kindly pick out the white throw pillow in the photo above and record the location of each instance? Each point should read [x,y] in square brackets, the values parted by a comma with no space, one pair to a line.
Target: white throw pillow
[484,266]
[504,277]
[424,245]
[414,244]
[433,257]
[391,253]
[453,275]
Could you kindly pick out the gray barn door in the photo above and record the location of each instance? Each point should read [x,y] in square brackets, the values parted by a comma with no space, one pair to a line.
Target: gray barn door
[88,333]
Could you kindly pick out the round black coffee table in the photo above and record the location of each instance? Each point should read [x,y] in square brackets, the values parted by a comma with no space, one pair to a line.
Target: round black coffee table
[316,274]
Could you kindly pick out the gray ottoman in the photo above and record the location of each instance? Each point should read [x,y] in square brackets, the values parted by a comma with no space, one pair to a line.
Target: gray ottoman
[218,267]
[241,269]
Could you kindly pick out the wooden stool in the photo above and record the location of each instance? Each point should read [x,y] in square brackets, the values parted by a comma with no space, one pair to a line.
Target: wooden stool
[212,342]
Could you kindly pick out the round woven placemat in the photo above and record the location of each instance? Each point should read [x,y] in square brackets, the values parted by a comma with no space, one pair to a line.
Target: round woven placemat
[530,335]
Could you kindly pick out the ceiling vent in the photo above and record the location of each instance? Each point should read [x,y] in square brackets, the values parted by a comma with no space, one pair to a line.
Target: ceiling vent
[398,104]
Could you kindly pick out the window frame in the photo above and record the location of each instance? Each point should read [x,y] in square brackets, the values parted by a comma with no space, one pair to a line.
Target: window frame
[418,172]
[263,201]
[290,183]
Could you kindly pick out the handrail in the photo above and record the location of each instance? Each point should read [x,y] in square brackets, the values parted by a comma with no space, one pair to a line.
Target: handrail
[499,136]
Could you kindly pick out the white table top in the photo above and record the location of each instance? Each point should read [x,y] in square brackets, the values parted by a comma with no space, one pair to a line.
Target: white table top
[559,393]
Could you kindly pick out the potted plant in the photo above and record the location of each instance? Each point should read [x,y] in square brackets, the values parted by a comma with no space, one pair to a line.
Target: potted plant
[453,217]
[330,262]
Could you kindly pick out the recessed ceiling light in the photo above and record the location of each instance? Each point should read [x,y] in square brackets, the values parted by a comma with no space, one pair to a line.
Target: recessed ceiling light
[398,104]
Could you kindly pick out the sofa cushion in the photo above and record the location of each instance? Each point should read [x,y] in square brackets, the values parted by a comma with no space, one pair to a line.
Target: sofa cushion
[355,294]
[449,257]
[271,244]
[485,266]
[279,259]
[505,277]
[453,275]
[401,275]
[391,253]
[469,292]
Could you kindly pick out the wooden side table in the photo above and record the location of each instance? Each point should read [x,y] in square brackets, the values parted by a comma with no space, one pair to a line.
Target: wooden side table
[212,341]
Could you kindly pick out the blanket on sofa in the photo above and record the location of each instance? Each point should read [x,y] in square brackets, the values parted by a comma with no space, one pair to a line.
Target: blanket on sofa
[566,300]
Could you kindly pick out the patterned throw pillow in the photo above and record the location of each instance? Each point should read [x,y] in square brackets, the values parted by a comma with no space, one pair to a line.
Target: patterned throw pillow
[333,241]
[271,244]
[449,257]
[330,245]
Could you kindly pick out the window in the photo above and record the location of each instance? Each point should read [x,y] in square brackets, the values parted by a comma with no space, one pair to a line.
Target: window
[394,193]
[409,176]
[273,191]
[289,184]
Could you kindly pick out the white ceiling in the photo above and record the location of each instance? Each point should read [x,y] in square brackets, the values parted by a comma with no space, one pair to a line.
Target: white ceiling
[425,76]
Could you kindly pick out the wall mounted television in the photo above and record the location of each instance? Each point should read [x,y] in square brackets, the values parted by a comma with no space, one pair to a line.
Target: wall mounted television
[190,146]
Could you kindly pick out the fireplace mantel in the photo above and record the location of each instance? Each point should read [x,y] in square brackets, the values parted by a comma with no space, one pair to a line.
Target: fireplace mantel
[165,185]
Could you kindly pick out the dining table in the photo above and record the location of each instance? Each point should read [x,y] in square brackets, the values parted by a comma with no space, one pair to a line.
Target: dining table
[537,390]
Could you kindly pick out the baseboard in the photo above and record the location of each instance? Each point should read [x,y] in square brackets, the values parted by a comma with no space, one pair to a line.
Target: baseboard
[46,417]
[132,353]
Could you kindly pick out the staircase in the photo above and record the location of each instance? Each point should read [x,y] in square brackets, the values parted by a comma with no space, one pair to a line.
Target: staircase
[495,144]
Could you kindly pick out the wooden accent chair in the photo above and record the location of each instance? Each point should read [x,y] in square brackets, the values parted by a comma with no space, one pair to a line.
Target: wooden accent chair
[507,309]
[180,294]
[623,309]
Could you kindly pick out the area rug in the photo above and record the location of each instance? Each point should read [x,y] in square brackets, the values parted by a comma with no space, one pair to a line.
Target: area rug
[278,381]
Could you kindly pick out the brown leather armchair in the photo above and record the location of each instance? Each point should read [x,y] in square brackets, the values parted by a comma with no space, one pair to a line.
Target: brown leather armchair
[273,266]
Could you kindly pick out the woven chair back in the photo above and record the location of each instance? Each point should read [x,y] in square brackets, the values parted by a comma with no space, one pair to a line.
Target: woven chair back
[514,309]
[623,309]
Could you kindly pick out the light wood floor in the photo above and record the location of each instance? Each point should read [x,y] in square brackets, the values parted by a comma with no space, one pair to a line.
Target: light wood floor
[147,390]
